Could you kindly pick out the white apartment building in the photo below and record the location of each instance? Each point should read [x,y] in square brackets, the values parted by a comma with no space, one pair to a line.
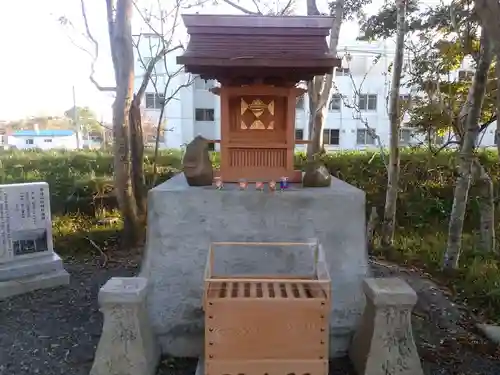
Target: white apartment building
[362,82]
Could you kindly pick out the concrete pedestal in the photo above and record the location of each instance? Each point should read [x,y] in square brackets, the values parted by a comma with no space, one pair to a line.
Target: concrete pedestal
[384,344]
[127,345]
[184,220]
[26,275]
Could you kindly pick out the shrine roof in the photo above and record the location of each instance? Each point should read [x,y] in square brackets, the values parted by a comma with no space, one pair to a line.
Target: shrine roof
[229,44]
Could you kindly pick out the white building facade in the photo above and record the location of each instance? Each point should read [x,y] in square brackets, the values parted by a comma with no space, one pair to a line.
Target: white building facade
[359,99]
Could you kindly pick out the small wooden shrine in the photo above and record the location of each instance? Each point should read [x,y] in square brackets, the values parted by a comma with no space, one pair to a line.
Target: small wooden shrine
[258,61]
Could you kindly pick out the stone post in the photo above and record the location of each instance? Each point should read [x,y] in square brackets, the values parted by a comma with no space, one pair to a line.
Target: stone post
[383,343]
[127,345]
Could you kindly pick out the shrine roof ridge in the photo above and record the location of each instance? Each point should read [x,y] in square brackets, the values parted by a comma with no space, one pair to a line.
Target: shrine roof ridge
[257,21]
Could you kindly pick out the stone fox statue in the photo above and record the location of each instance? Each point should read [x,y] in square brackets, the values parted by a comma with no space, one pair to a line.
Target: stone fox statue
[197,164]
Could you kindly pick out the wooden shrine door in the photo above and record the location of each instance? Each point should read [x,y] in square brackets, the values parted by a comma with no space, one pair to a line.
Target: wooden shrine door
[255,144]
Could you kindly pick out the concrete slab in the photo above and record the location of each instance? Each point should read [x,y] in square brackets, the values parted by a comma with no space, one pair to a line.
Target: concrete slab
[23,285]
[492,332]
[184,220]
[45,263]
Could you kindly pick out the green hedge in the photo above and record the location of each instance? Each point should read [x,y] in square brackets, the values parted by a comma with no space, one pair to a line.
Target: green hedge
[79,178]
[427,181]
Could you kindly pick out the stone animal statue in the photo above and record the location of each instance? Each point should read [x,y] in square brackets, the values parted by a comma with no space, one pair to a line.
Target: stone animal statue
[316,175]
[197,164]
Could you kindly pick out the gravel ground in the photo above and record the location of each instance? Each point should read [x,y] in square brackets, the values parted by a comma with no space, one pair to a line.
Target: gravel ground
[56,331]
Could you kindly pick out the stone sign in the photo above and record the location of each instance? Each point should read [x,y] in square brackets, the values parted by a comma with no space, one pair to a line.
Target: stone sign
[25,223]
[27,258]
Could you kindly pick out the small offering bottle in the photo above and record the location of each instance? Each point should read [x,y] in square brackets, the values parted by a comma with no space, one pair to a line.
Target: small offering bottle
[243,184]
[283,183]
[218,183]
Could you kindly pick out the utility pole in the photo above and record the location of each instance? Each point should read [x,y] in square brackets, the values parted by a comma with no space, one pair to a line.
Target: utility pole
[75,120]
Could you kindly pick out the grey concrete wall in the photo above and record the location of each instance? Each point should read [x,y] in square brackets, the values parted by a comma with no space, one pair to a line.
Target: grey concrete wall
[184,220]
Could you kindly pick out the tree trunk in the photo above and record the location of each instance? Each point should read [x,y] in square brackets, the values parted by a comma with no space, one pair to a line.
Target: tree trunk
[319,89]
[124,68]
[466,156]
[391,196]
[316,136]
[486,206]
[489,14]
[137,160]
[370,229]
[497,131]
[157,146]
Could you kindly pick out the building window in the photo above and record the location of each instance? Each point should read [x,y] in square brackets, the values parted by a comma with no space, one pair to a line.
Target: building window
[363,137]
[299,134]
[204,114]
[154,101]
[211,146]
[150,138]
[405,101]
[465,75]
[335,102]
[47,140]
[201,84]
[300,102]
[29,141]
[331,137]
[367,102]
[342,72]
[405,136]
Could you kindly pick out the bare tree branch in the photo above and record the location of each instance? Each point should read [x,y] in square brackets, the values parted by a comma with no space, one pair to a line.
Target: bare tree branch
[96,51]
[287,8]
[256,4]
[110,16]
[357,115]
[158,52]
[240,8]
[165,49]
[312,9]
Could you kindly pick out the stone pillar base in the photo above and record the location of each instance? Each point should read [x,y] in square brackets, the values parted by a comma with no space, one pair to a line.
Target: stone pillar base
[383,343]
[26,275]
[127,345]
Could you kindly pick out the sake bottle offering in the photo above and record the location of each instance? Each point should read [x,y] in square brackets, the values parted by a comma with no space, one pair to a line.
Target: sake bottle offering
[284,183]
[243,184]
[218,183]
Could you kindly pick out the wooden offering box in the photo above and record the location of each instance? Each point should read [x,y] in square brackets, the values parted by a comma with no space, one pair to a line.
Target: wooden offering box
[267,324]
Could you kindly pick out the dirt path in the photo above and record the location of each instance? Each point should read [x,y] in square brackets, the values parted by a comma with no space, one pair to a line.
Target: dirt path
[56,331]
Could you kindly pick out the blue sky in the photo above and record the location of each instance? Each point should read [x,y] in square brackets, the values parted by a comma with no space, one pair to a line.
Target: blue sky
[40,65]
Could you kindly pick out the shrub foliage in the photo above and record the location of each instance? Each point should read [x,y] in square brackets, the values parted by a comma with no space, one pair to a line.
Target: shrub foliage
[426,185]
[81,182]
